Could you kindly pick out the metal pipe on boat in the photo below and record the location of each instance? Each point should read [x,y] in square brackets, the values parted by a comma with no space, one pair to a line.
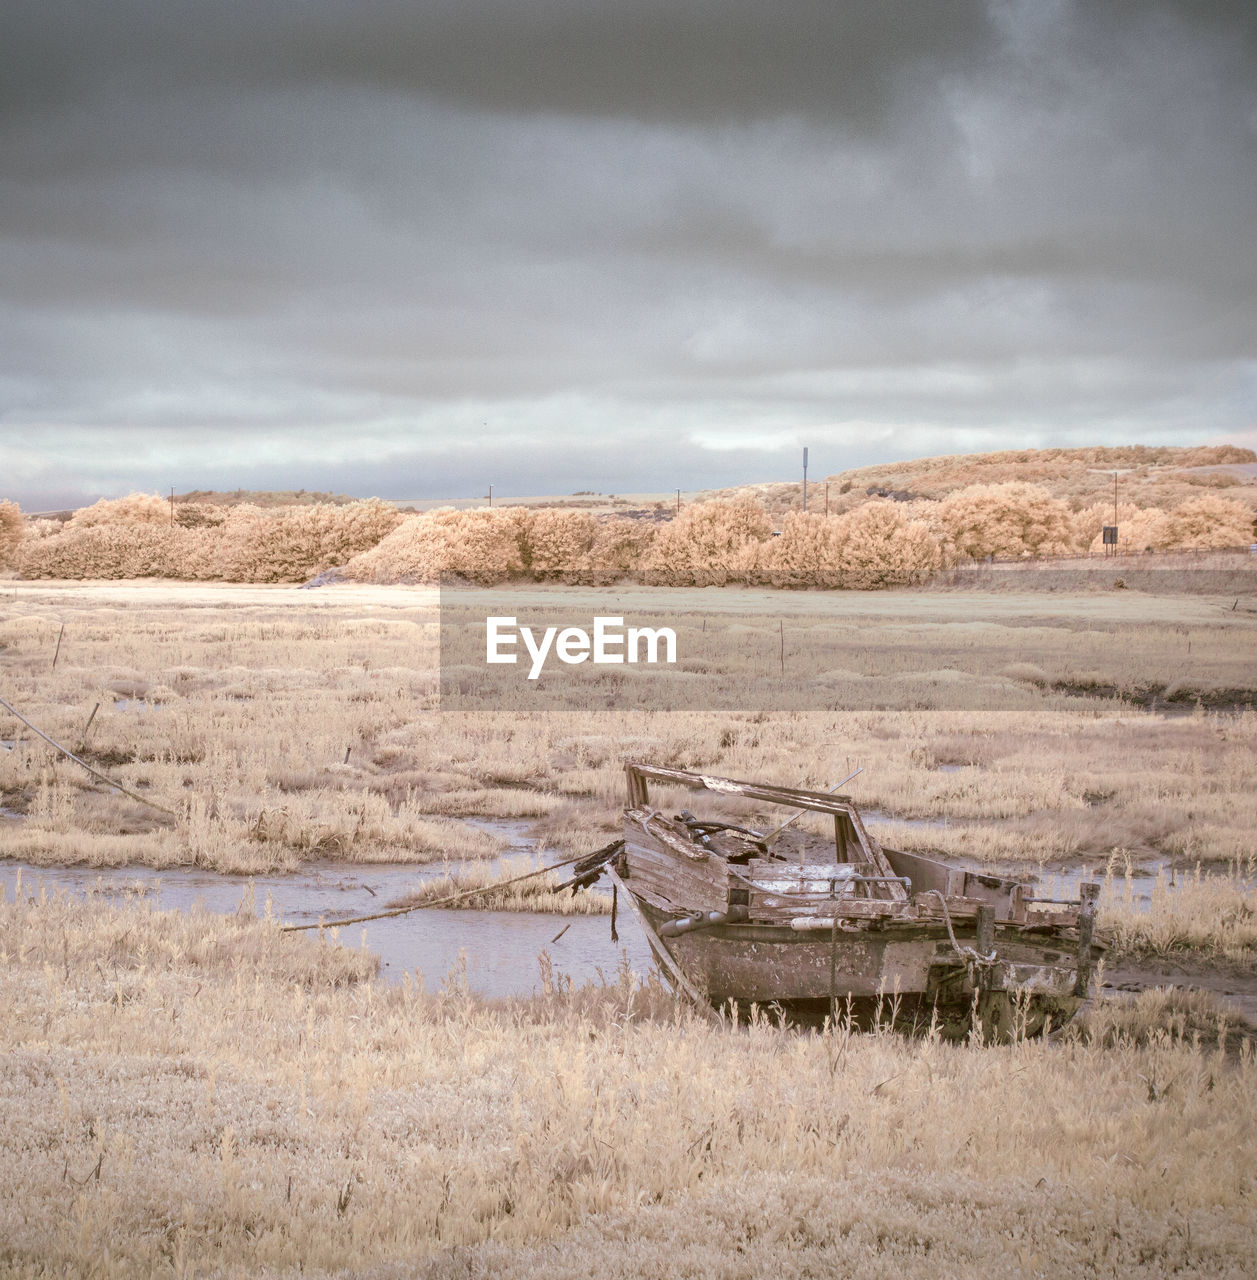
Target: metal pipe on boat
[703,920]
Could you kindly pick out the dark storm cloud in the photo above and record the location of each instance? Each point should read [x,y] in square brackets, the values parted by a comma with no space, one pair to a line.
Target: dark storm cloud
[707,61]
[626,245]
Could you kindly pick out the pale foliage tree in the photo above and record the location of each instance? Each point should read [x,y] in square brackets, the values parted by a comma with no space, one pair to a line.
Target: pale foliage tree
[1007,521]
[108,550]
[249,544]
[555,543]
[12,527]
[881,547]
[135,508]
[807,554]
[482,546]
[289,544]
[1210,521]
[1138,528]
[620,547]
[709,543]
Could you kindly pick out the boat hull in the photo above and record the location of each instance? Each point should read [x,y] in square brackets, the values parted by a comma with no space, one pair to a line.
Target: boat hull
[908,973]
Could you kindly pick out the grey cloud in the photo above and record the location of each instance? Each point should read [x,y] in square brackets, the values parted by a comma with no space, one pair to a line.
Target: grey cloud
[697,60]
[239,240]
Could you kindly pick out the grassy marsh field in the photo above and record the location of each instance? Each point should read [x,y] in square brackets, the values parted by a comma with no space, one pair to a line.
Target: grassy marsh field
[194,1095]
[190,1094]
[281,725]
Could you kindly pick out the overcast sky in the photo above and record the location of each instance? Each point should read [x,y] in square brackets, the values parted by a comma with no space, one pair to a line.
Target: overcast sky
[410,248]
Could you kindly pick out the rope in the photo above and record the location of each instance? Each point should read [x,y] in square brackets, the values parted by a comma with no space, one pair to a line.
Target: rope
[609,850]
[969,953]
[104,777]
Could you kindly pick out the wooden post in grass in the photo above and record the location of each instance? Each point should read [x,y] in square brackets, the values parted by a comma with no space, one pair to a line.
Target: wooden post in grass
[57,651]
[1088,894]
[87,727]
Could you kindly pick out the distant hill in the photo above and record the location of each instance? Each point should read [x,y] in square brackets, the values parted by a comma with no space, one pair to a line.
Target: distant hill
[263,498]
[1149,476]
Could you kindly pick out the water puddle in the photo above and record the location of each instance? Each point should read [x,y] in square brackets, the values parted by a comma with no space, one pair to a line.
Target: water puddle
[498,948]
[1136,885]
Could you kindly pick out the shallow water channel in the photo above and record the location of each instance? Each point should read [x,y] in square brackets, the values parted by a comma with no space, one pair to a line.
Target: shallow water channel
[500,950]
[496,952]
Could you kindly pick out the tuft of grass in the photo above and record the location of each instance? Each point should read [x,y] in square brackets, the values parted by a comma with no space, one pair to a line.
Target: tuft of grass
[1163,1015]
[1209,916]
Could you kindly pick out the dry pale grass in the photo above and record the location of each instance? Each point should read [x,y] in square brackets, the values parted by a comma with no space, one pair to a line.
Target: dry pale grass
[1210,915]
[173,1109]
[539,894]
[1192,1017]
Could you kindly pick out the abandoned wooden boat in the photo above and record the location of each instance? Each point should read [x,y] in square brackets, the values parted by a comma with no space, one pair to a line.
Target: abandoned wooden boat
[839,926]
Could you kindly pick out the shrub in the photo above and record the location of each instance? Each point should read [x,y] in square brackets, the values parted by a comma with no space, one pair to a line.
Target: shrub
[1210,521]
[12,527]
[554,542]
[135,508]
[882,547]
[1006,520]
[709,543]
[483,546]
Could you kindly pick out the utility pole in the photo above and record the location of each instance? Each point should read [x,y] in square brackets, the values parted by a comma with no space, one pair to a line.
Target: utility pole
[172,506]
[1115,534]
[1110,531]
[490,495]
[805,479]
[678,502]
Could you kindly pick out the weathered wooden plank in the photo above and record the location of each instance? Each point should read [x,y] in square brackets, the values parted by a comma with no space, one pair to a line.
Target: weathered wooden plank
[874,855]
[769,909]
[664,956]
[668,834]
[806,874]
[816,801]
[671,883]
